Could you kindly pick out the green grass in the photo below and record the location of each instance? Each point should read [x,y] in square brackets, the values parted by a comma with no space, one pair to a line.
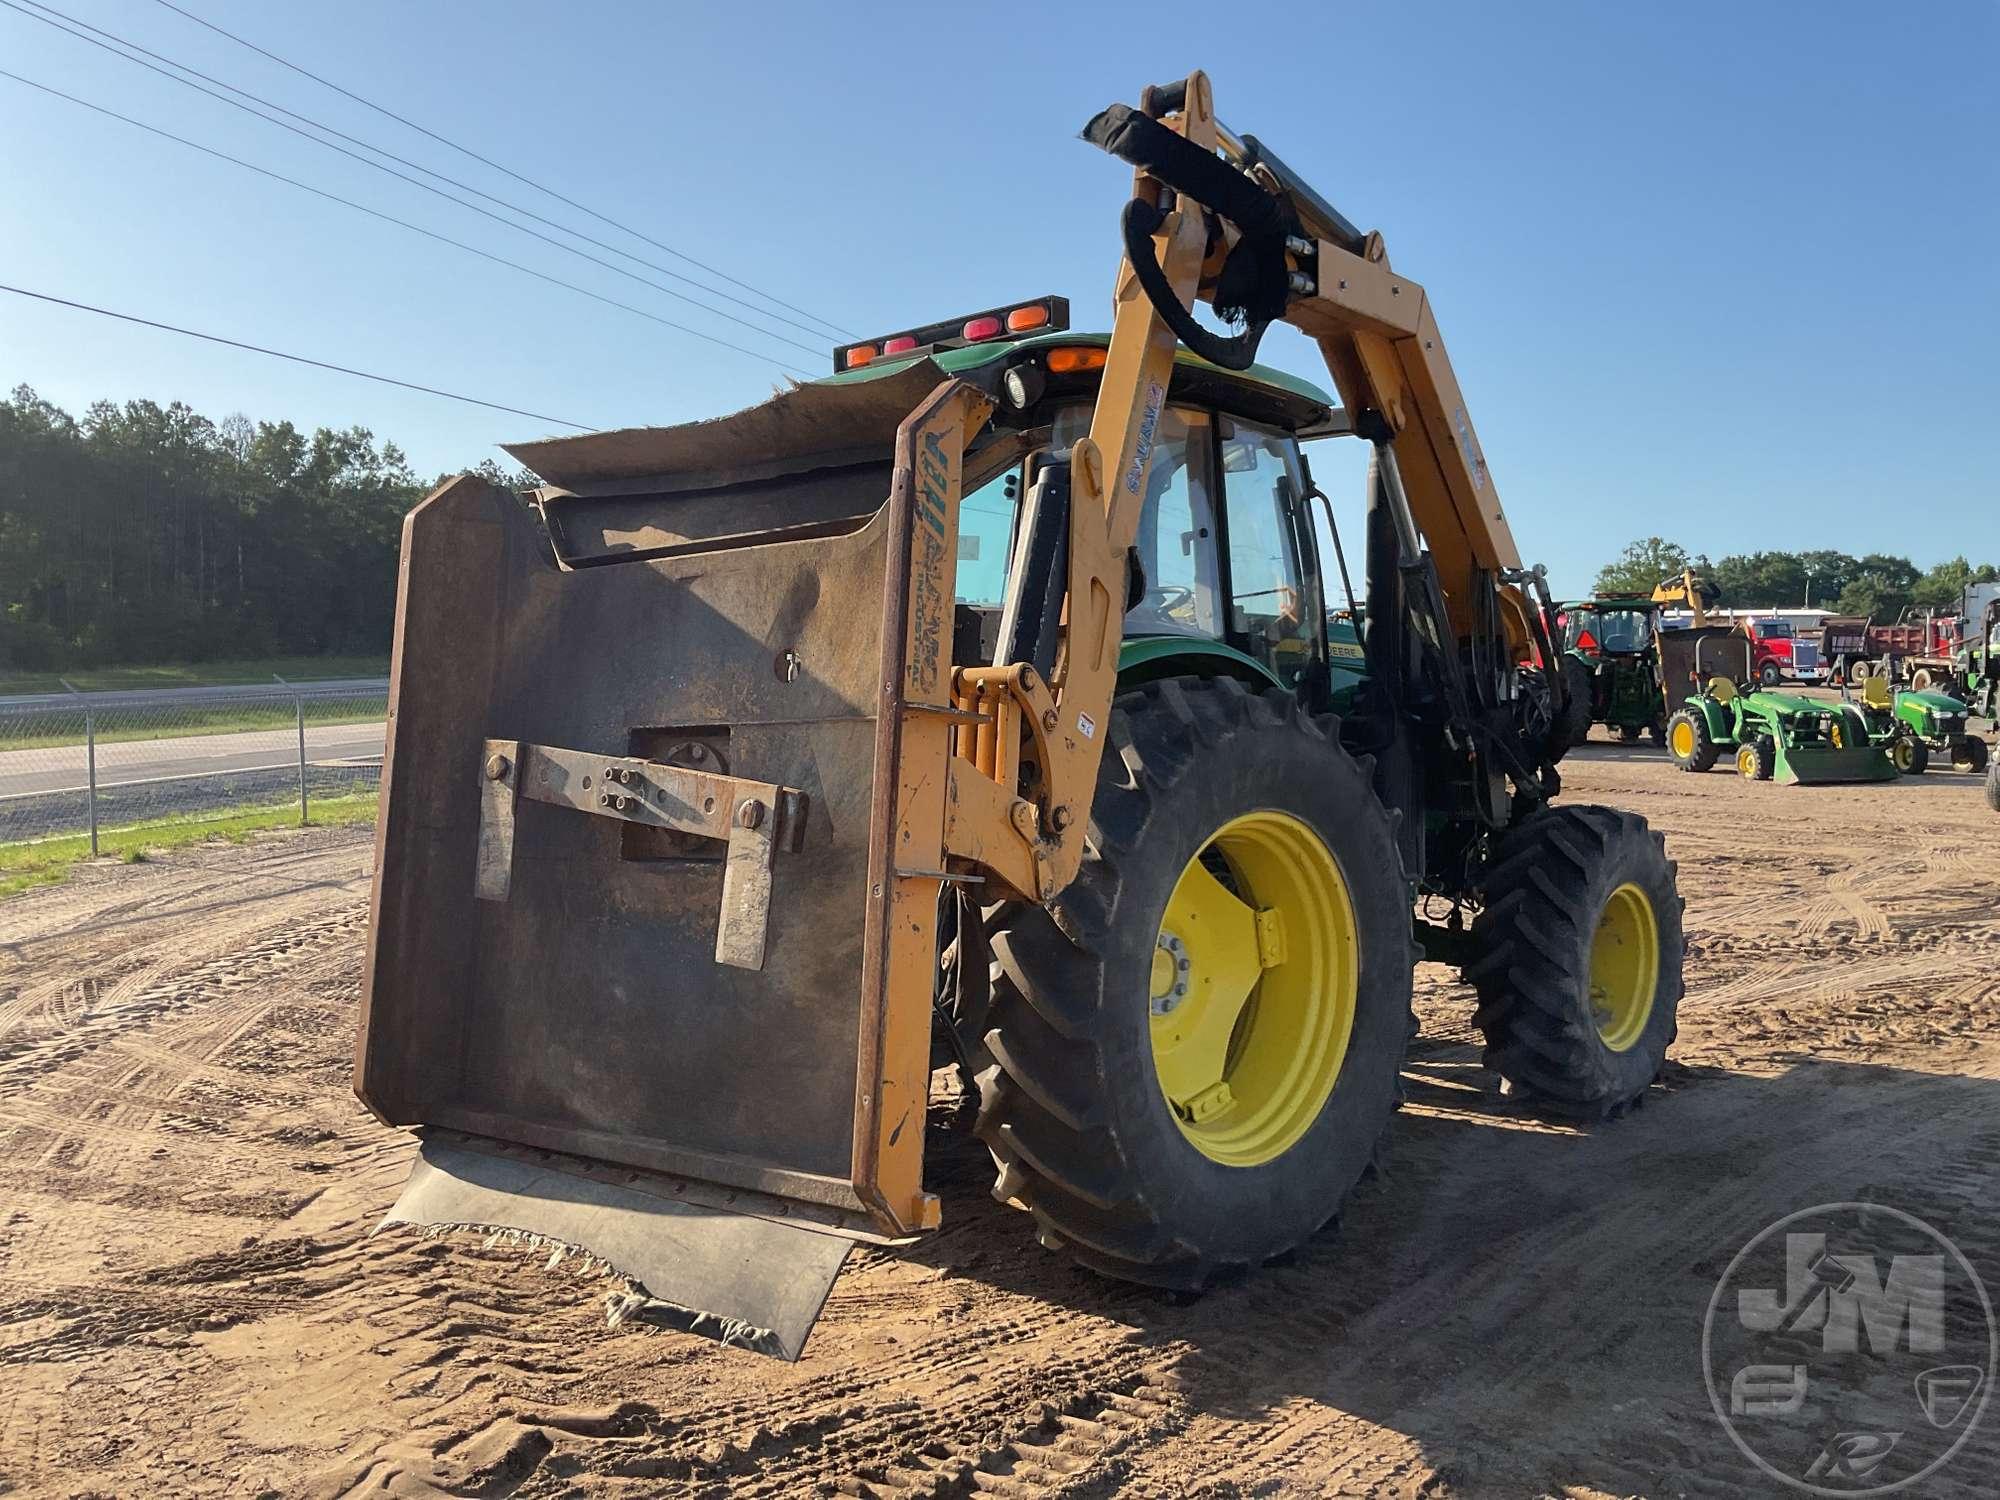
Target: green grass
[176,720]
[47,861]
[198,674]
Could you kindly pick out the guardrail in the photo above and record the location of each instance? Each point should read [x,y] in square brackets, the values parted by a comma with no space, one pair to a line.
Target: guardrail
[93,761]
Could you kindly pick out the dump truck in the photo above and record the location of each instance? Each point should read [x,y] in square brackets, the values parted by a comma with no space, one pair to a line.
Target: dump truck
[1612,666]
[739,782]
[1769,735]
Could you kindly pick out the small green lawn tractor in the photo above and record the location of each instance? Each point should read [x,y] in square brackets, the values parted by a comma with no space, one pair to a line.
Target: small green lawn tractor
[1773,736]
[1912,726]
[1612,668]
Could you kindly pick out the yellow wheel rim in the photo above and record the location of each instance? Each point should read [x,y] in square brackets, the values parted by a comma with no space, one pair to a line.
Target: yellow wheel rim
[1683,745]
[1746,761]
[1624,967]
[1903,755]
[1254,975]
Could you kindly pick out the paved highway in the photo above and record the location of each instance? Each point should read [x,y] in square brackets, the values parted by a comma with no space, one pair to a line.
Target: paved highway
[44,771]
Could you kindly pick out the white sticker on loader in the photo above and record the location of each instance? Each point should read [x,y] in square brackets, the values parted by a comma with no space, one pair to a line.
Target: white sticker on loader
[1086,726]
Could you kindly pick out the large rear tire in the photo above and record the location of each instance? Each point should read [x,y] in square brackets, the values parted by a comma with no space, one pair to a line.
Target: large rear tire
[1212,806]
[1579,960]
[1579,686]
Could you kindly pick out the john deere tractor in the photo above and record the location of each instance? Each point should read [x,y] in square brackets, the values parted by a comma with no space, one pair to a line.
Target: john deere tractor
[1611,667]
[1771,736]
[977,703]
[1976,669]
[1913,726]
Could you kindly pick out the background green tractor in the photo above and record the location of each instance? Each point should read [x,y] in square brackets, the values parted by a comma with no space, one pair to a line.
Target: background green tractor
[1976,668]
[1611,667]
[1913,726]
[1772,736]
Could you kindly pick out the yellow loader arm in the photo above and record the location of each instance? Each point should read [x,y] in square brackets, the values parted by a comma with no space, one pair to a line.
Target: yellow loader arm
[1380,339]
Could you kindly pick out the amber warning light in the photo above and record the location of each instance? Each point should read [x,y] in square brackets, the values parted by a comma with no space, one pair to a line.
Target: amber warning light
[1043,315]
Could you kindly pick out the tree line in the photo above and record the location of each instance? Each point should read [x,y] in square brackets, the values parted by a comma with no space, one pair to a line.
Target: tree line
[1875,584]
[143,533]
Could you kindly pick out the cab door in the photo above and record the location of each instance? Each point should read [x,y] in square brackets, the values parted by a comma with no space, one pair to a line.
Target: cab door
[1276,612]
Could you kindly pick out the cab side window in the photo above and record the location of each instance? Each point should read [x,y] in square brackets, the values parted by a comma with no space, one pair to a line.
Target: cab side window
[1176,538]
[1270,600]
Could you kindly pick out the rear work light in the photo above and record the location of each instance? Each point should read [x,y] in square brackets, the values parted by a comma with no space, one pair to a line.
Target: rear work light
[1014,319]
[1069,361]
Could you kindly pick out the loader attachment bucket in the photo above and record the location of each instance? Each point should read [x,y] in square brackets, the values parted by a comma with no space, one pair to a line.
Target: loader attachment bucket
[1824,765]
[651,949]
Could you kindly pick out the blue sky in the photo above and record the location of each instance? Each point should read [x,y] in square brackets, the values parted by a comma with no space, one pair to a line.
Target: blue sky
[1723,272]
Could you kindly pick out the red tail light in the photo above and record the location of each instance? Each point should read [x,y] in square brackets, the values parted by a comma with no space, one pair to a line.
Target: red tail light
[982,328]
[901,345]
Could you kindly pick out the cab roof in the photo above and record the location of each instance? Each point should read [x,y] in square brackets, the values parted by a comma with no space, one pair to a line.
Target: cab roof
[1290,390]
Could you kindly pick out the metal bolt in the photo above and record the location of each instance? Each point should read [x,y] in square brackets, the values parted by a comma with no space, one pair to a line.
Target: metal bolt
[750,813]
[497,766]
[1060,817]
[1028,678]
[1049,719]
[604,799]
[697,751]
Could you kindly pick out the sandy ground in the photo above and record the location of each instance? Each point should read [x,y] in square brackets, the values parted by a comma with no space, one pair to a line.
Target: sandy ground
[191,1303]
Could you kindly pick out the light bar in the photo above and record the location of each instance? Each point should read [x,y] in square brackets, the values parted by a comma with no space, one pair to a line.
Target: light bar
[1013,320]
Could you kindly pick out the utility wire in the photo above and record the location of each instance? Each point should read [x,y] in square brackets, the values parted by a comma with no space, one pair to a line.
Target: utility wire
[420,167]
[401,177]
[375,213]
[504,171]
[297,359]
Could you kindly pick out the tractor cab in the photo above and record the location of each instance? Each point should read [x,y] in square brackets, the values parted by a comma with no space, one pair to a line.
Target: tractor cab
[1225,574]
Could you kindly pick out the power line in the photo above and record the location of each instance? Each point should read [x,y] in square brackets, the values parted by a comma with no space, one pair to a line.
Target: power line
[504,171]
[415,166]
[390,171]
[297,359]
[375,213]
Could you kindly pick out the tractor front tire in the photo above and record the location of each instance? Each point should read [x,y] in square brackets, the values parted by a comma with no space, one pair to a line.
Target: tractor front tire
[1968,753]
[1233,843]
[1757,760]
[1688,742]
[1909,755]
[1578,966]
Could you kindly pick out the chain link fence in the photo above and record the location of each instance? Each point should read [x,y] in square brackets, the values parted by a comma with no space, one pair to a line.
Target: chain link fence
[98,761]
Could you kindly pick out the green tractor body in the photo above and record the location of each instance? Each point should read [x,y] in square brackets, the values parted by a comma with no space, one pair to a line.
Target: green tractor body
[1770,735]
[1611,666]
[1913,726]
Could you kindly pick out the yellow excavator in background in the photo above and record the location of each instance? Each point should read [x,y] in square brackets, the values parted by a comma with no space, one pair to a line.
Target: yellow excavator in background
[974,709]
[1689,590]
